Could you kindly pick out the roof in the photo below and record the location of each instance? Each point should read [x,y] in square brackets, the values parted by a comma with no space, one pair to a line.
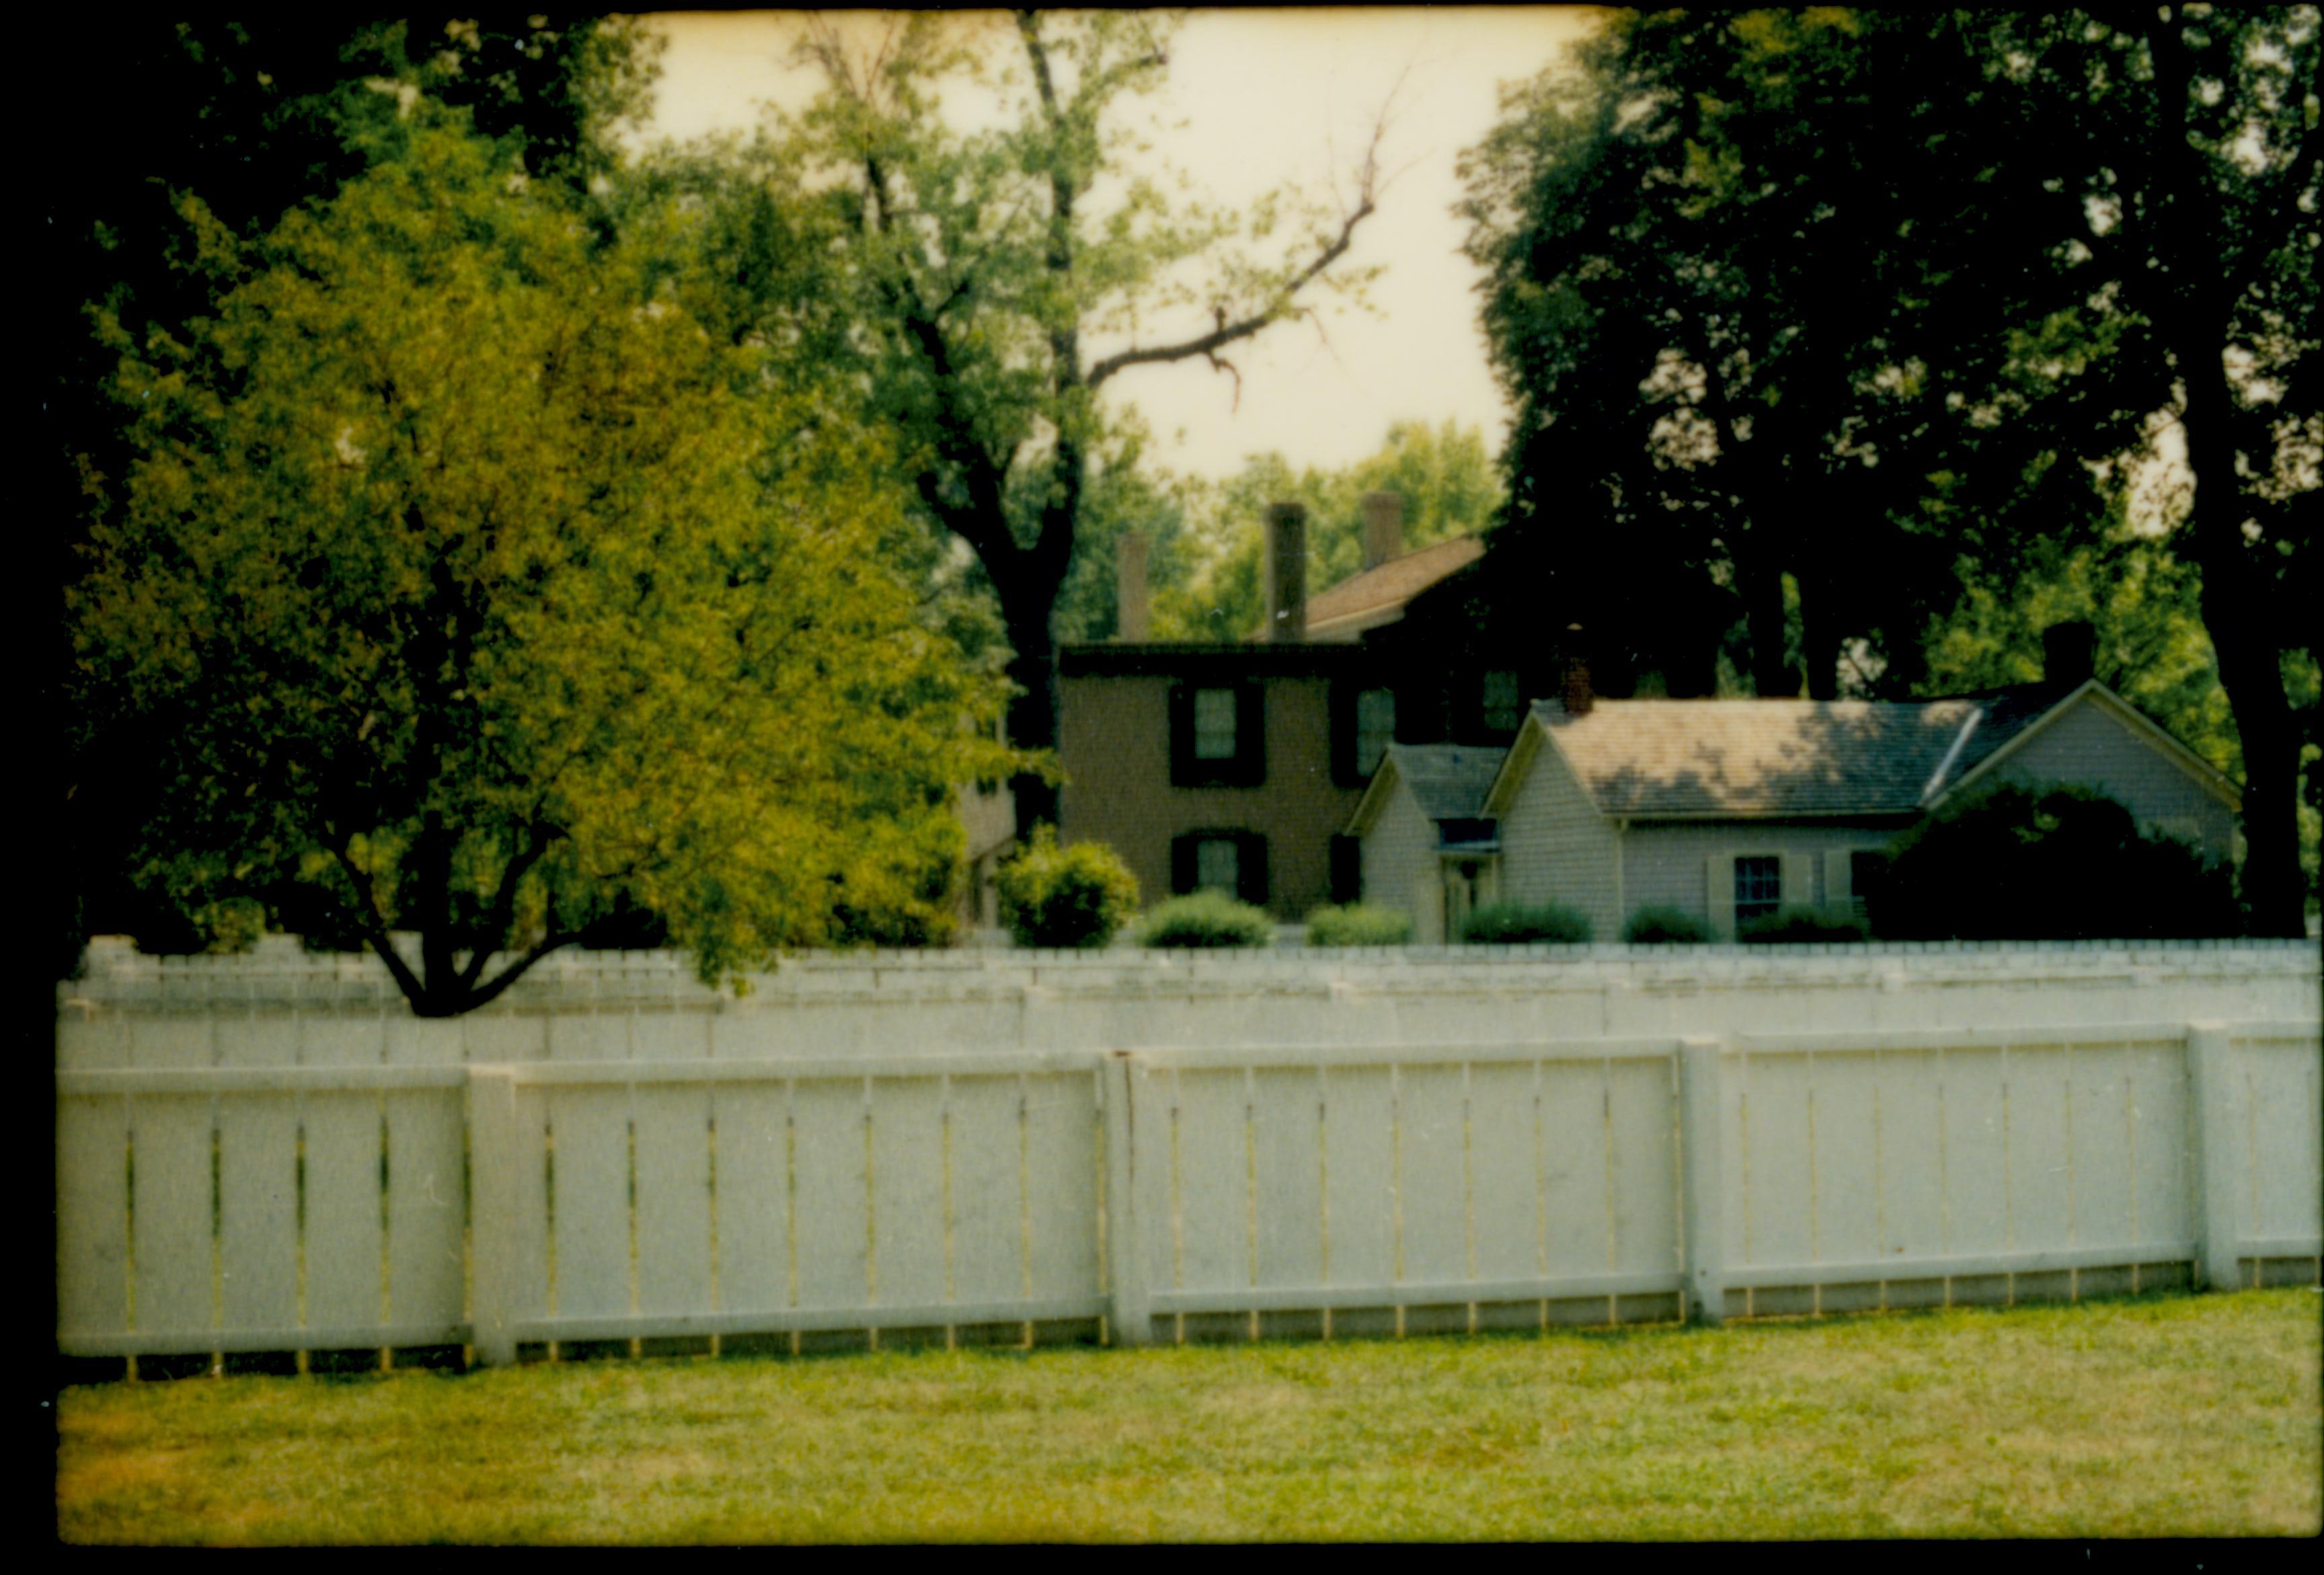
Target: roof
[1650,759]
[1449,781]
[1377,595]
[1216,661]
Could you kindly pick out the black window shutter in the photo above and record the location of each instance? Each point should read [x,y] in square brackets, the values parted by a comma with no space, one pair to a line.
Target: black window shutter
[1182,864]
[1250,735]
[1182,735]
[1347,868]
[1250,867]
[1343,734]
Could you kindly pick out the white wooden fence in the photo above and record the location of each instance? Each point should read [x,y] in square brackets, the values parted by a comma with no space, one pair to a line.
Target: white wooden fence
[274,1183]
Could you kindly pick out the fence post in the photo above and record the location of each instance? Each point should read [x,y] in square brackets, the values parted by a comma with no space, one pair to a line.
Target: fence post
[2219,1158]
[1125,1257]
[492,1206]
[1701,1117]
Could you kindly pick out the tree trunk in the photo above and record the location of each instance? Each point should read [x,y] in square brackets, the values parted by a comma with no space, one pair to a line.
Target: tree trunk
[1026,612]
[2235,596]
[1761,581]
[1819,637]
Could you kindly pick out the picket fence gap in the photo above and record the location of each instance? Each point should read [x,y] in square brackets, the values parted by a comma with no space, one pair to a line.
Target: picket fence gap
[256,1181]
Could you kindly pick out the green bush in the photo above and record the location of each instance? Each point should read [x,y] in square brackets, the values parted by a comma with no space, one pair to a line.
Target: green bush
[1074,897]
[2019,863]
[1789,927]
[1664,926]
[1510,924]
[1207,919]
[1359,924]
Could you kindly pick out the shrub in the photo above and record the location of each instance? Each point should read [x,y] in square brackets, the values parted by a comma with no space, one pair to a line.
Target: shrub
[1358,923]
[1207,919]
[1072,896]
[1789,927]
[1664,926]
[2019,863]
[1509,923]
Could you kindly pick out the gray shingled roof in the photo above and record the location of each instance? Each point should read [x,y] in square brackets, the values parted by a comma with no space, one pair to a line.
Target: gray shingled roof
[1449,781]
[1752,757]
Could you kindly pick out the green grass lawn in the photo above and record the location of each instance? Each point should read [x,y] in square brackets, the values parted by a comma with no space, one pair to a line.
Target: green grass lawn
[2166,1415]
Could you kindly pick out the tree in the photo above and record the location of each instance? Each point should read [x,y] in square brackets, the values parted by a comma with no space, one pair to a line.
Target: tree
[1815,316]
[255,117]
[463,584]
[2186,209]
[1443,475]
[987,264]
[1711,247]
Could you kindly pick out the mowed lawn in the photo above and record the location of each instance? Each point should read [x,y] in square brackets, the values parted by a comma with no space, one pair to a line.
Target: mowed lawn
[2165,1416]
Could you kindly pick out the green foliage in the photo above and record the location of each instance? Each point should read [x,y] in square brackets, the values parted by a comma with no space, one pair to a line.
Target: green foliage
[464,585]
[2022,863]
[1801,926]
[1075,896]
[1653,926]
[1206,919]
[1358,923]
[1511,924]
[1445,476]
[977,271]
[1800,344]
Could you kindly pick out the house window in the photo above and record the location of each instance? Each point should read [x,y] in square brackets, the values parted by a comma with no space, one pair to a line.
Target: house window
[1216,866]
[1758,887]
[1501,703]
[1214,724]
[1375,728]
[1232,862]
[1218,735]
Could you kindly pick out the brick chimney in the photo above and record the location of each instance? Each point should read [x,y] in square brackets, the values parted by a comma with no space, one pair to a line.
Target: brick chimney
[1383,528]
[2069,653]
[1286,573]
[1130,601]
[1577,697]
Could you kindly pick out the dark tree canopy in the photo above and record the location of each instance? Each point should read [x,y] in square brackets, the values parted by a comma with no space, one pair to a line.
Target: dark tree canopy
[1815,319]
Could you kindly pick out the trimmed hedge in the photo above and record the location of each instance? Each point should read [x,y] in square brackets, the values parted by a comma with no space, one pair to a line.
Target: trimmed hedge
[1509,923]
[1359,925]
[1066,898]
[1790,926]
[1664,926]
[1207,919]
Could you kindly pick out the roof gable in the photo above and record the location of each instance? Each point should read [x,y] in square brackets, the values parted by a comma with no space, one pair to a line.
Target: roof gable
[2007,740]
[1377,595]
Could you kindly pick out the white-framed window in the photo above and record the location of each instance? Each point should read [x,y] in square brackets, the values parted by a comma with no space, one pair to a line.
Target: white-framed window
[1375,728]
[1218,865]
[1758,887]
[1215,724]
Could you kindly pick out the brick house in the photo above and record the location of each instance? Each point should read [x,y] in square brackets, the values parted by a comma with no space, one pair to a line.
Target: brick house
[1237,765]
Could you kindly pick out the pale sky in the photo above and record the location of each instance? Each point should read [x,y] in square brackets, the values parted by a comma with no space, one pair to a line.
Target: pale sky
[1268,96]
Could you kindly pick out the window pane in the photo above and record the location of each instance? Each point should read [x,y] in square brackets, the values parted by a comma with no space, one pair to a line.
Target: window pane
[1758,887]
[1214,724]
[1375,728]
[1216,866]
[1502,710]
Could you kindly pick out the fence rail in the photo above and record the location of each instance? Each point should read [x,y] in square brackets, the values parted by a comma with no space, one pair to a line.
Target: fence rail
[292,1191]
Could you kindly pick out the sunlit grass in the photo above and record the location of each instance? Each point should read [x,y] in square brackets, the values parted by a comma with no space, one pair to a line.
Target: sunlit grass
[2168,1416]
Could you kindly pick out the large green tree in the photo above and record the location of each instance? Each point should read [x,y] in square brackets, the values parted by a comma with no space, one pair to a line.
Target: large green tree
[463,584]
[987,266]
[1814,318]
[251,119]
